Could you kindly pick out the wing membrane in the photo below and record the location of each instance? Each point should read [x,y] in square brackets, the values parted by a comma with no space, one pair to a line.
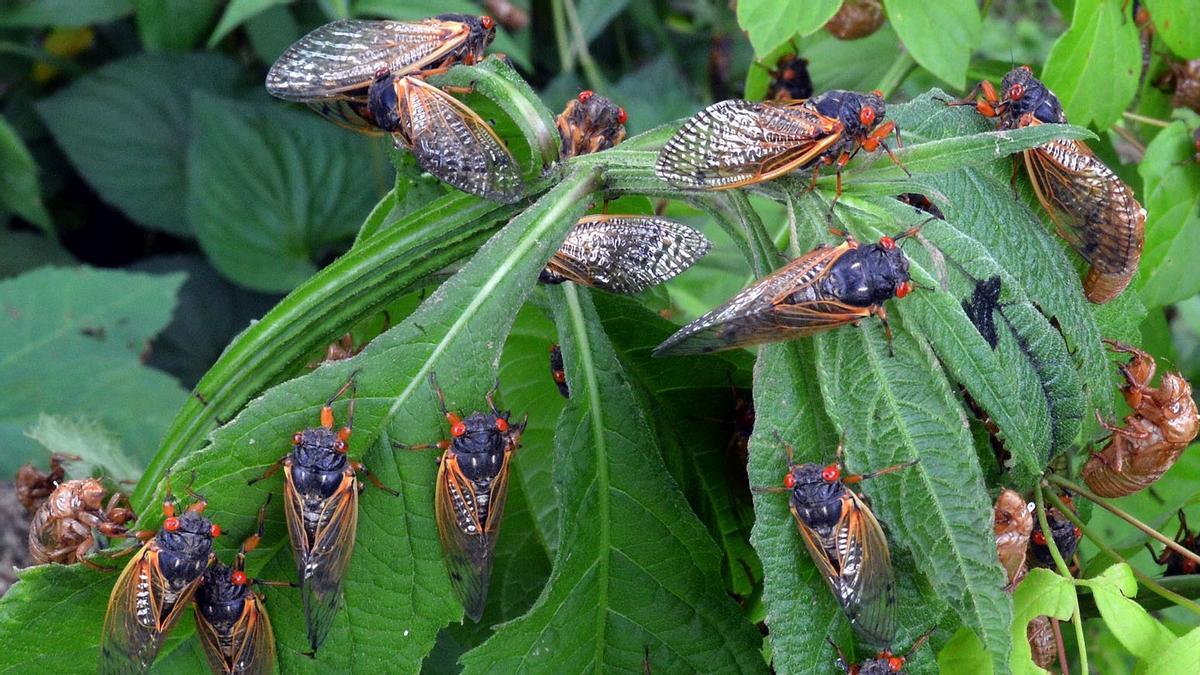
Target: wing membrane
[346,55]
[627,254]
[466,542]
[348,113]
[735,143]
[451,142]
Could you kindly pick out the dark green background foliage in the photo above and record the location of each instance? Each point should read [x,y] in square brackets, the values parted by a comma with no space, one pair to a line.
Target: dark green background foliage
[166,227]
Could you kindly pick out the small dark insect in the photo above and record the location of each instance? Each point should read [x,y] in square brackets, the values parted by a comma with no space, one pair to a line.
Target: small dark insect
[736,143]
[1066,539]
[1092,209]
[827,287]
[472,485]
[1163,422]
[155,587]
[557,372]
[624,254]
[885,663]
[320,491]
[1184,80]
[856,19]
[33,486]
[846,542]
[590,123]
[1177,564]
[921,203]
[61,530]
[981,308]
[1013,525]
[1043,645]
[231,618]
[790,80]
[97,333]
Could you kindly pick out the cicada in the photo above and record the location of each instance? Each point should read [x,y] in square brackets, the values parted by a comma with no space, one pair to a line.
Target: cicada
[472,485]
[735,143]
[790,80]
[320,491]
[1183,79]
[1177,563]
[590,123]
[921,203]
[558,371]
[1066,539]
[1043,644]
[846,542]
[231,617]
[1013,525]
[1092,209]
[624,254]
[1163,422]
[827,287]
[856,19]
[156,586]
[63,528]
[884,663]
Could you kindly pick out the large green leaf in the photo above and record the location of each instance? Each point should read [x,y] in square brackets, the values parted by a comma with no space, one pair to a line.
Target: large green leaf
[70,343]
[1094,66]
[1172,200]
[126,128]
[770,23]
[239,12]
[633,563]
[41,13]
[939,35]
[20,189]
[1178,24]
[273,190]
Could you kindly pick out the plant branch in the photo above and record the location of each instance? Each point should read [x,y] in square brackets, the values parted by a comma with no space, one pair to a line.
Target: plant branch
[900,68]
[1146,120]
[590,70]
[1076,616]
[566,59]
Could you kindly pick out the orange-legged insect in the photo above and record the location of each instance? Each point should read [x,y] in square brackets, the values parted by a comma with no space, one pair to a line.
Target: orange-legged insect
[884,663]
[472,485]
[590,123]
[790,80]
[320,491]
[156,586]
[1176,563]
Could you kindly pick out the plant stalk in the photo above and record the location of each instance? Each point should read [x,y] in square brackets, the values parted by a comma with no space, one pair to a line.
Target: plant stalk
[1146,120]
[591,71]
[1076,616]
[565,58]
[896,73]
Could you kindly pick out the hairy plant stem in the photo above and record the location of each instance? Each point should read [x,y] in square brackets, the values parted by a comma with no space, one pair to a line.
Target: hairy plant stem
[1076,616]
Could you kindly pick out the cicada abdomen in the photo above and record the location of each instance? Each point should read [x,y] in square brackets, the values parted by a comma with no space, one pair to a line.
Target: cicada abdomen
[63,528]
[472,486]
[827,287]
[1013,525]
[155,587]
[589,123]
[1178,564]
[1163,422]
[624,254]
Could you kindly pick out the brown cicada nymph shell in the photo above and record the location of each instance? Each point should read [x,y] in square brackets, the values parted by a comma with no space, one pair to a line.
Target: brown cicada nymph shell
[1013,525]
[62,528]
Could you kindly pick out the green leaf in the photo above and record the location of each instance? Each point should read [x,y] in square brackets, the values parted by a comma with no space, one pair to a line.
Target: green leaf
[70,342]
[633,563]
[1172,200]
[22,251]
[238,12]
[770,23]
[276,189]
[42,13]
[939,35]
[20,190]
[174,25]
[1177,23]
[97,449]
[1182,656]
[126,126]
[1137,631]
[1094,66]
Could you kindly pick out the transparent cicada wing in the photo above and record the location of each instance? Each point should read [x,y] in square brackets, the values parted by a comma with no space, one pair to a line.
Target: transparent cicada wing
[347,113]
[347,55]
[627,254]
[454,144]
[735,143]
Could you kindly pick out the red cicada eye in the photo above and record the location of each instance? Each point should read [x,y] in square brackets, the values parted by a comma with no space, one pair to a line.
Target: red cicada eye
[486,22]
[789,481]
[887,242]
[171,524]
[1016,91]
[867,116]
[1039,538]
[238,578]
[339,446]
[215,530]
[621,117]
[896,663]
[501,424]
[458,429]
[903,289]
[585,95]
[1078,533]
[297,438]
[831,473]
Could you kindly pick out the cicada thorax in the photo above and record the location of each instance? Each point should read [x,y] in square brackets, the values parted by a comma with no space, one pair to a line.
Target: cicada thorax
[790,80]
[233,624]
[62,529]
[152,591]
[624,253]
[1013,524]
[821,290]
[1066,539]
[558,371]
[1091,207]
[1163,422]
[589,123]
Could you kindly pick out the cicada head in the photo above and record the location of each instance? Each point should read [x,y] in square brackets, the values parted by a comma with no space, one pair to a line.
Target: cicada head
[816,493]
[483,31]
[1021,93]
[222,595]
[319,449]
[479,442]
[185,546]
[884,273]
[590,123]
[858,113]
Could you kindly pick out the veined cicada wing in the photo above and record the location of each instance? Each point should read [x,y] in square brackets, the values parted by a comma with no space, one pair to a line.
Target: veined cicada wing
[626,254]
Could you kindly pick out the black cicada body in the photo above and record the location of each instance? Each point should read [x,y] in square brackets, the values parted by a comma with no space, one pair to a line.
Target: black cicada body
[558,371]
[884,663]
[1177,563]
[155,587]
[790,80]
[1066,539]
[827,287]
[590,123]
[921,203]
[624,254]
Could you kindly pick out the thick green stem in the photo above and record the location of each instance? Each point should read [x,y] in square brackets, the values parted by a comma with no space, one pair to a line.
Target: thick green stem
[1063,569]
[591,71]
[566,60]
[896,73]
